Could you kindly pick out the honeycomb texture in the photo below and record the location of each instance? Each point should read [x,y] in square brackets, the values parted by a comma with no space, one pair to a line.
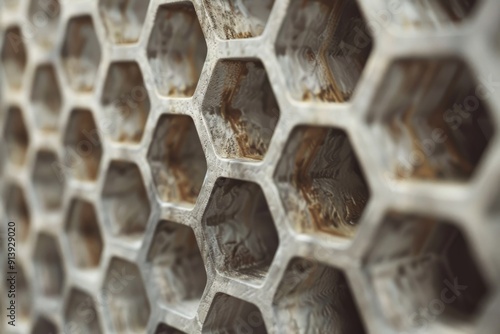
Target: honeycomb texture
[251,166]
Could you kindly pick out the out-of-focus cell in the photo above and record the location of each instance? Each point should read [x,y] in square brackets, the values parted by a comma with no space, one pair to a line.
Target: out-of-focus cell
[14,56]
[48,180]
[16,136]
[81,54]
[240,109]
[238,18]
[177,50]
[49,269]
[17,210]
[165,329]
[44,18]
[44,326]
[123,19]
[46,98]
[177,160]
[80,314]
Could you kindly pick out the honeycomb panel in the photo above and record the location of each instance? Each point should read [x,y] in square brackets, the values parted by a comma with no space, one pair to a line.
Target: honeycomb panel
[48,266]
[80,313]
[240,109]
[177,160]
[16,136]
[14,56]
[123,19]
[176,50]
[46,98]
[48,180]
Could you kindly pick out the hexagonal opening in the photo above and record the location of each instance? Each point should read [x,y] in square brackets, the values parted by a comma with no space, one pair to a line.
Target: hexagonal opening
[123,19]
[14,56]
[238,220]
[240,109]
[83,234]
[229,314]
[177,160]
[81,54]
[22,293]
[16,136]
[80,315]
[165,329]
[125,297]
[48,266]
[435,123]
[48,180]
[44,18]
[314,295]
[82,145]
[125,102]
[44,326]
[177,266]
[425,266]
[238,19]
[17,209]
[46,98]
[321,183]
[125,199]
[422,14]
[322,48]
[177,49]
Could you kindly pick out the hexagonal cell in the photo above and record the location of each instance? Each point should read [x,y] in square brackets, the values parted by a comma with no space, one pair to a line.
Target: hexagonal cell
[177,160]
[44,18]
[81,54]
[84,235]
[22,292]
[323,47]
[229,314]
[165,329]
[177,266]
[82,145]
[123,19]
[422,14]
[238,19]
[48,180]
[14,56]
[46,98]
[425,266]
[240,109]
[125,199]
[80,315]
[125,297]
[315,296]
[435,124]
[321,183]
[44,326]
[177,50]
[17,209]
[48,266]
[125,102]
[16,136]
[238,221]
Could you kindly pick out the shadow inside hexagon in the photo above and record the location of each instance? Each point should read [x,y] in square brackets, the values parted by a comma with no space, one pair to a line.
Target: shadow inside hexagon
[125,199]
[423,14]
[125,102]
[177,267]
[44,18]
[82,145]
[177,49]
[240,109]
[425,267]
[229,314]
[44,326]
[240,231]
[48,180]
[315,296]
[16,136]
[19,286]
[123,19]
[322,48]
[233,19]
[83,233]
[165,329]
[46,98]
[14,56]
[321,183]
[17,210]
[80,313]
[433,119]
[177,160]
[125,297]
[81,54]
[49,269]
